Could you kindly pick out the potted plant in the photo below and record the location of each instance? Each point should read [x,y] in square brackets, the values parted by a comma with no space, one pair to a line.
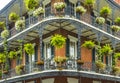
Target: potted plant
[89,4]
[2,25]
[38,12]
[29,48]
[12,54]
[31,4]
[80,62]
[117,20]
[59,6]
[100,65]
[88,44]
[20,25]
[13,17]
[100,20]
[80,9]
[19,69]
[5,34]
[40,62]
[116,70]
[106,50]
[5,69]
[58,41]
[115,28]
[105,11]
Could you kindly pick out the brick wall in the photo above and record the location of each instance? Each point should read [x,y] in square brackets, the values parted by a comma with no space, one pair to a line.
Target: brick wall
[117,1]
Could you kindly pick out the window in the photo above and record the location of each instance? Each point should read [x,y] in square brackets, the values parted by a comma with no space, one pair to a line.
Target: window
[73,47]
[48,49]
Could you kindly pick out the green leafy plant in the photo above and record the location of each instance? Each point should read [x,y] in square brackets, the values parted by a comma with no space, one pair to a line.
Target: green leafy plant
[117,56]
[80,9]
[100,20]
[2,25]
[19,68]
[105,11]
[38,12]
[31,4]
[60,59]
[116,70]
[5,34]
[29,48]
[106,50]
[20,25]
[117,20]
[89,4]
[2,58]
[0,74]
[115,28]
[12,54]
[88,44]
[13,17]
[100,65]
[59,5]
[58,41]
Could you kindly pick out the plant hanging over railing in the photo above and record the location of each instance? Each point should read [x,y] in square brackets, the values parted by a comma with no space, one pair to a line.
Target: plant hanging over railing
[58,41]
[31,4]
[59,6]
[12,54]
[38,12]
[20,25]
[5,33]
[89,4]
[13,17]
[88,44]
[80,9]
[100,20]
[115,28]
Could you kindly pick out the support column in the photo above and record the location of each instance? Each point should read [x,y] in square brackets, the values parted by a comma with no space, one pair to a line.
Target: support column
[21,7]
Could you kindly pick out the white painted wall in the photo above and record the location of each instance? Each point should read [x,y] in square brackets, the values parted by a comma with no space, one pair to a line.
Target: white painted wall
[72,80]
[51,80]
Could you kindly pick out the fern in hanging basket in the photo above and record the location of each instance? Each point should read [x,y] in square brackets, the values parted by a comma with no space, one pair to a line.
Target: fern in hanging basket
[105,11]
[2,25]
[106,50]
[58,41]
[13,17]
[116,70]
[117,56]
[89,4]
[88,44]
[80,9]
[5,34]
[59,5]
[117,20]
[20,25]
[31,4]
[29,48]
[115,28]
[2,58]
[38,12]
[100,65]
[12,54]
[100,20]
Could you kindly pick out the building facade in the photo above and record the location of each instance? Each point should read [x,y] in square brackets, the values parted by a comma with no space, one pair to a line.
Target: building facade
[80,63]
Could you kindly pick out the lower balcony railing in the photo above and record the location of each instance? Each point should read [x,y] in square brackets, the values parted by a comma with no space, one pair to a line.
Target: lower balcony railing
[70,64]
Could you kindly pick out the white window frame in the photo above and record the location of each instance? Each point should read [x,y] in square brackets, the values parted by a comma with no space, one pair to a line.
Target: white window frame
[73,39]
[45,41]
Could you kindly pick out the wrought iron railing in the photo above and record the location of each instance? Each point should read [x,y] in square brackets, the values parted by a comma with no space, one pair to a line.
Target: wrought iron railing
[50,64]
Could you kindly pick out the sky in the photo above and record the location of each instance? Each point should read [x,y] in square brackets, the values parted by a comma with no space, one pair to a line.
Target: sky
[3,3]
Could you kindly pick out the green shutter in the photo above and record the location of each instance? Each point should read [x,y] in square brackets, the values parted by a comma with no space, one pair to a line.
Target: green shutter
[93,55]
[42,56]
[36,52]
[26,58]
[106,57]
[52,51]
[67,47]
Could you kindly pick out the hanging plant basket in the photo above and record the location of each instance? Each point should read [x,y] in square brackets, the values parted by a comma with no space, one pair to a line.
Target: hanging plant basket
[12,54]
[88,44]
[80,9]
[58,41]
[100,65]
[89,4]
[5,72]
[20,25]
[117,21]
[40,63]
[2,25]
[80,62]
[13,17]
[105,11]
[116,70]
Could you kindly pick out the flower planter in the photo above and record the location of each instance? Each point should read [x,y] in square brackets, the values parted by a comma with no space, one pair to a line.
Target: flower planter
[5,72]
[40,63]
